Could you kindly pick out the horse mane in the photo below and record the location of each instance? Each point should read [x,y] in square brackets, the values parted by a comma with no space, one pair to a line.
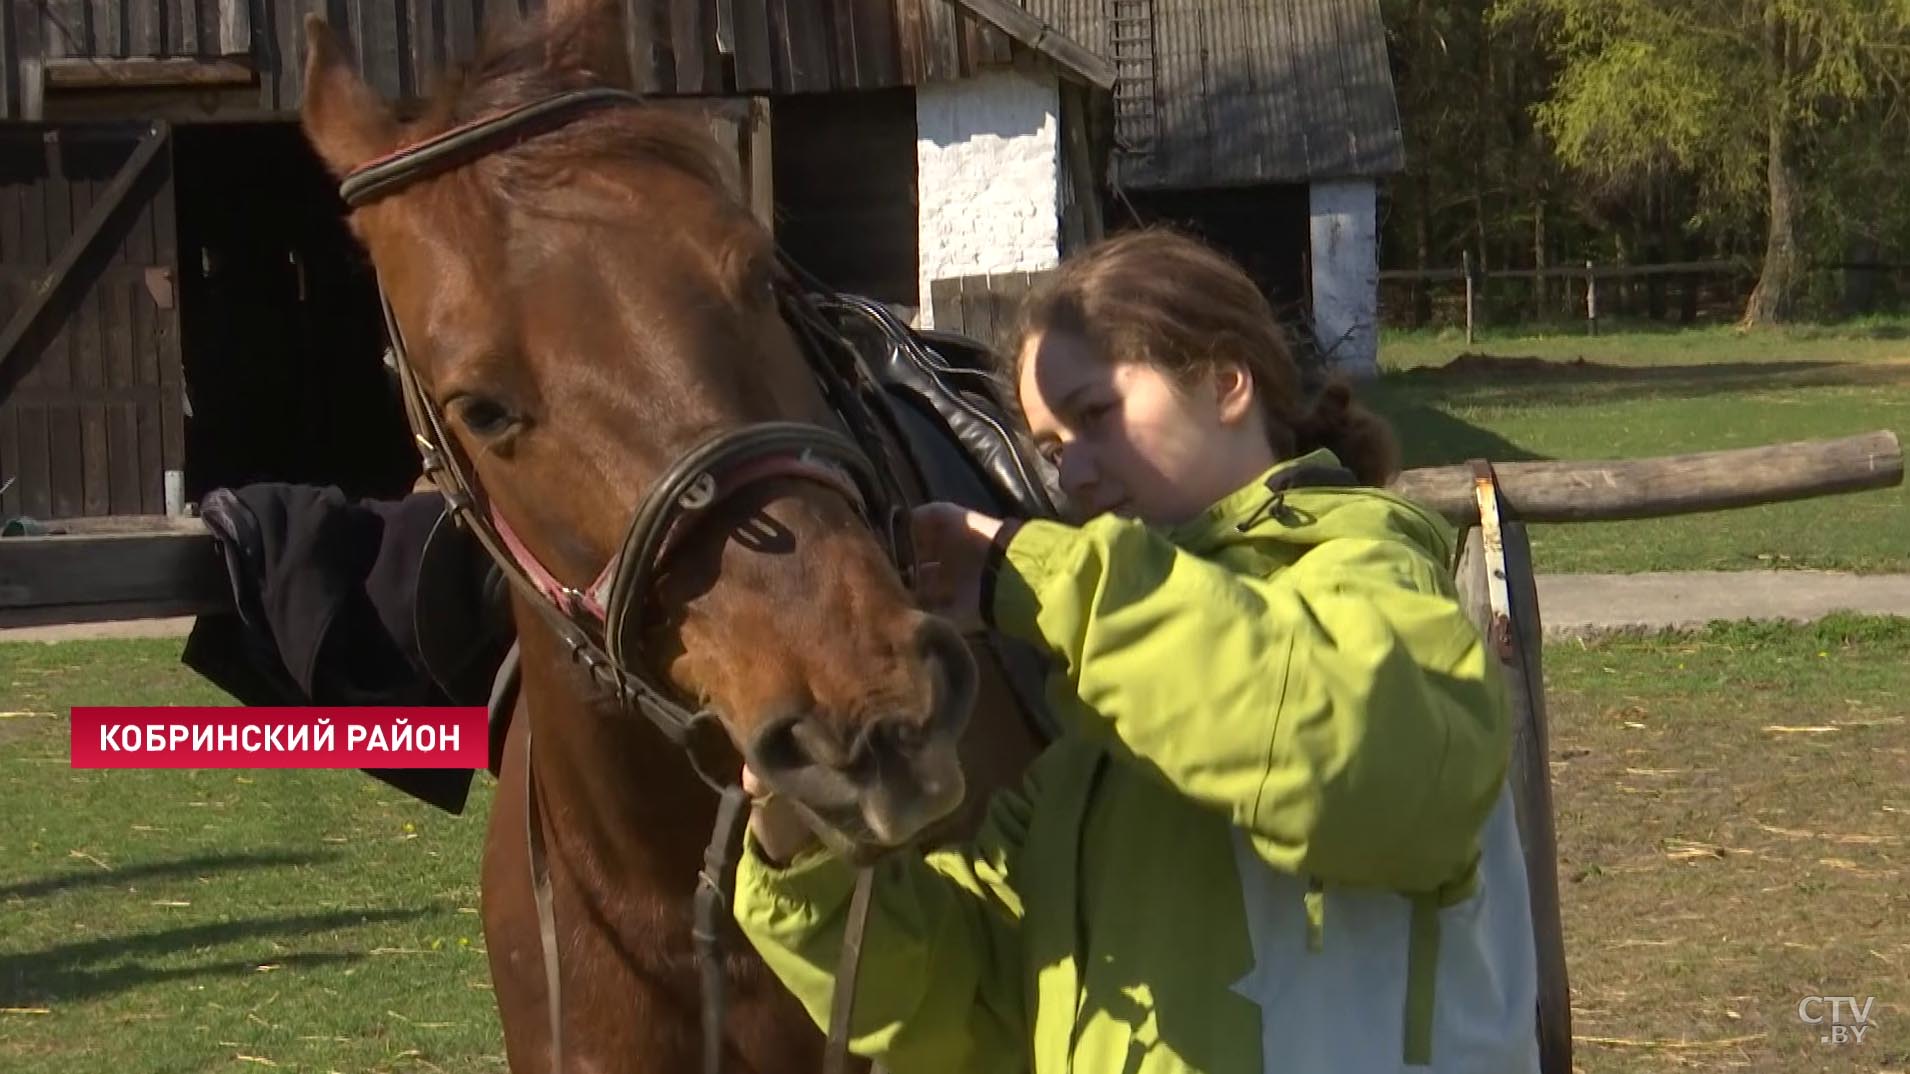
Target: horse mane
[540,58]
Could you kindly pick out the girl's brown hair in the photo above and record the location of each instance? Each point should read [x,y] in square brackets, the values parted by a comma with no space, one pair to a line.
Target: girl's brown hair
[1163,298]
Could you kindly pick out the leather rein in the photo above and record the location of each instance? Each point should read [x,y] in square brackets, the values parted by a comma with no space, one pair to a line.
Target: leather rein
[602,622]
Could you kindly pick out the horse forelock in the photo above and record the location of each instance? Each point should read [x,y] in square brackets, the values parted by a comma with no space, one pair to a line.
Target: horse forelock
[527,63]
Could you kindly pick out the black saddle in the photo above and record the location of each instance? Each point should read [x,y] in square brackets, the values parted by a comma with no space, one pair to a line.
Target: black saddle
[952,411]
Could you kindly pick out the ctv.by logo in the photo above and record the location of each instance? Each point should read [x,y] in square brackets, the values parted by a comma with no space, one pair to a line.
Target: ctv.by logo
[1845,1024]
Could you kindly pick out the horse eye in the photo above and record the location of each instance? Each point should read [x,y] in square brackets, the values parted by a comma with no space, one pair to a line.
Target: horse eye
[484,417]
[757,282]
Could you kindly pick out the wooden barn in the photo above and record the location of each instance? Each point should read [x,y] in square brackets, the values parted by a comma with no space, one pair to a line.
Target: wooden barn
[181,307]
[1265,126]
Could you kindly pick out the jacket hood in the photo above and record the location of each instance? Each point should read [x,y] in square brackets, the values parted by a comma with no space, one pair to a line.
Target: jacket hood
[1311,499]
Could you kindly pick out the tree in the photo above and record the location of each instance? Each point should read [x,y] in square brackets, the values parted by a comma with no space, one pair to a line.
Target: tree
[1733,93]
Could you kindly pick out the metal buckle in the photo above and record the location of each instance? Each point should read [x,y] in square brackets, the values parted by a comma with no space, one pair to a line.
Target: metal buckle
[700,494]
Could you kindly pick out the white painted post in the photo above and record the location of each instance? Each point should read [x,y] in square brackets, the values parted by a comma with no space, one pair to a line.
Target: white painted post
[1345,273]
[1466,267]
[1591,297]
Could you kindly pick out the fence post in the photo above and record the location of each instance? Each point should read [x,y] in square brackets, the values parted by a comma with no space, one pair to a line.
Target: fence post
[1591,297]
[1468,271]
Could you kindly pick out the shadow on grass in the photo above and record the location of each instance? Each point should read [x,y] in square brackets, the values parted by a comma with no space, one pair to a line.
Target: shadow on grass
[1429,436]
[75,985]
[158,870]
[71,972]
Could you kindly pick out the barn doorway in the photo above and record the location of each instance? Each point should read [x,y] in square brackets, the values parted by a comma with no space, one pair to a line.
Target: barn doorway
[844,166]
[279,313]
[1264,228]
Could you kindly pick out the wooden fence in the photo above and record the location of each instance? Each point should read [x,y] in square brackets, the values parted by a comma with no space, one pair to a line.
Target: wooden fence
[982,307]
[1586,276]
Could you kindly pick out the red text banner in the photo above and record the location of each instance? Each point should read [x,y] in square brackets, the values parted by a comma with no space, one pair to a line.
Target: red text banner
[210,737]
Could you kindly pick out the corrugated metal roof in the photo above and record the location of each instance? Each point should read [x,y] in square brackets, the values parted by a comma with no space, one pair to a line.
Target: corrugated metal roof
[1255,91]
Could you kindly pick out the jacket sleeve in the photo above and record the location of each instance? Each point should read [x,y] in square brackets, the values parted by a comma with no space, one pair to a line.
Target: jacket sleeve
[941,985]
[1343,712]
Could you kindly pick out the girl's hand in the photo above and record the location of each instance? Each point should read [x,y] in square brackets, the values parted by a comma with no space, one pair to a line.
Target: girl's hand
[951,550]
[779,832]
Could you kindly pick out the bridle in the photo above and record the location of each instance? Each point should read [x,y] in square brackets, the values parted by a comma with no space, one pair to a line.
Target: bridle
[602,623]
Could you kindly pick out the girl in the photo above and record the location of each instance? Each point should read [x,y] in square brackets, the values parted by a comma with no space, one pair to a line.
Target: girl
[1277,834]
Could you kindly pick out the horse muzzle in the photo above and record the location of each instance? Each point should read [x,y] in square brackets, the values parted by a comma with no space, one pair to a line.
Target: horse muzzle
[879,782]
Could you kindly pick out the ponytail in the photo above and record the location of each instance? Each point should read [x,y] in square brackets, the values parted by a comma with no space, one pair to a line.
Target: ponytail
[1359,438]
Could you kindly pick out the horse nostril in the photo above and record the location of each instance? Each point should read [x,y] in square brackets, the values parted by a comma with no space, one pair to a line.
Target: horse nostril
[889,737]
[779,746]
[819,744]
[953,666]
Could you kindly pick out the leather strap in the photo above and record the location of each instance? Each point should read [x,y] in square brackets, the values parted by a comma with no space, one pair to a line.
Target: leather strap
[467,142]
[546,909]
[712,884]
[842,1006]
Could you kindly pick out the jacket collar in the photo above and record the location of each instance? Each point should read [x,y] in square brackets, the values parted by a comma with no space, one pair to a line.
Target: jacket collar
[1312,470]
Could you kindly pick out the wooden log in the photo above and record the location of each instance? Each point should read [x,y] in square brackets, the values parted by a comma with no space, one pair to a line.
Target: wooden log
[86,577]
[86,72]
[1609,490]
[1531,772]
[164,570]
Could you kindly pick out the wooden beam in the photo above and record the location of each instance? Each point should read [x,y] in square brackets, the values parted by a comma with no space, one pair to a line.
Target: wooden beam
[1086,186]
[759,172]
[176,570]
[81,578]
[1531,773]
[1609,490]
[1016,22]
[9,68]
[111,201]
[87,72]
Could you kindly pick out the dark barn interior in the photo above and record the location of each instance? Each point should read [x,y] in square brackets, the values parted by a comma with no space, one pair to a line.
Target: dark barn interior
[1263,227]
[845,189]
[284,369]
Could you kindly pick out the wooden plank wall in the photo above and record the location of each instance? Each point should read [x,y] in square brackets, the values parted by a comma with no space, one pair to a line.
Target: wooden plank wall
[807,46]
[117,29]
[775,47]
[982,308]
[96,418]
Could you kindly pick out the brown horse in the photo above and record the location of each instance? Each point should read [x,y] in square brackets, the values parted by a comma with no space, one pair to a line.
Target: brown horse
[581,307]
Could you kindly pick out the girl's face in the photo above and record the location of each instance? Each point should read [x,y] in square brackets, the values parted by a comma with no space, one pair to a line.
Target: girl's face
[1129,438]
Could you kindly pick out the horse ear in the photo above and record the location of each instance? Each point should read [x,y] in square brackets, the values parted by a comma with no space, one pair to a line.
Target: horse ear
[345,119]
[586,36]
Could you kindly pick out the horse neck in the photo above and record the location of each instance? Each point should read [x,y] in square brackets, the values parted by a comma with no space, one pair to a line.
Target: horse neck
[623,810]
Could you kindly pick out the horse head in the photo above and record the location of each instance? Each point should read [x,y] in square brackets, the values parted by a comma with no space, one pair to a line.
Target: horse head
[582,307]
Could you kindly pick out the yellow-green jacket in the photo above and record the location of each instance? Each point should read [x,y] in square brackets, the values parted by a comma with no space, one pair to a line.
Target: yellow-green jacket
[1276,835]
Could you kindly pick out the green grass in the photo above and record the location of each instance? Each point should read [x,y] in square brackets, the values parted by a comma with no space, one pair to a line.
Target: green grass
[1649,343]
[1733,809]
[1714,869]
[221,920]
[1661,394]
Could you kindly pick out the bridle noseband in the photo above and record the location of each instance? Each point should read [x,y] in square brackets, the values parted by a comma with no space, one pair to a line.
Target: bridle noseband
[603,621]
